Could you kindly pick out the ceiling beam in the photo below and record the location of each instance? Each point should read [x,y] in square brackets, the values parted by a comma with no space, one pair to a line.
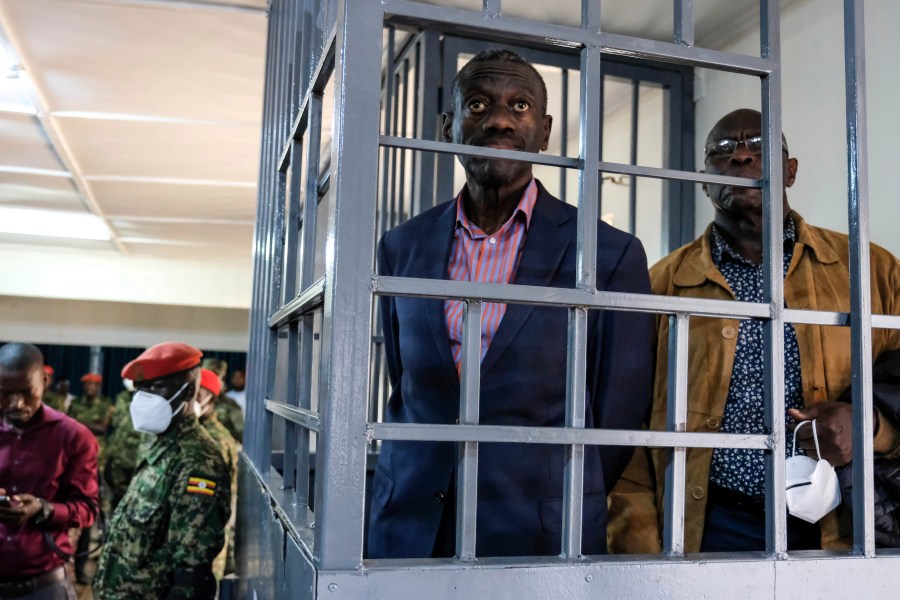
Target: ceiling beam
[186,4]
[54,136]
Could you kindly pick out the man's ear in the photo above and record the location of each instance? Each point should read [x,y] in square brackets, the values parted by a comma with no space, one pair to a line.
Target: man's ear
[703,185]
[447,126]
[548,126]
[790,172]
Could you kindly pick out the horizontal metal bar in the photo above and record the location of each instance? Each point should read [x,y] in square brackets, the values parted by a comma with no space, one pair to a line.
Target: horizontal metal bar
[674,175]
[623,45]
[301,416]
[309,299]
[565,162]
[297,131]
[816,317]
[885,321]
[519,30]
[564,435]
[565,297]
[466,150]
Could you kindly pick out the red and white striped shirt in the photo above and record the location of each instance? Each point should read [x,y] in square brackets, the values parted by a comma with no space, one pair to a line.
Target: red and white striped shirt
[476,256]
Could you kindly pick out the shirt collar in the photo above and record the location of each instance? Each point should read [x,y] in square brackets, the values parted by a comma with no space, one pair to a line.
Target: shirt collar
[523,210]
[722,250]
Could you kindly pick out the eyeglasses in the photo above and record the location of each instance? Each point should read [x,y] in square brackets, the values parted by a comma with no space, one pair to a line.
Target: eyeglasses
[726,148]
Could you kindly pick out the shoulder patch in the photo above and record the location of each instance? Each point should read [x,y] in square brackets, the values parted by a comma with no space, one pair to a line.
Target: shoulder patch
[199,485]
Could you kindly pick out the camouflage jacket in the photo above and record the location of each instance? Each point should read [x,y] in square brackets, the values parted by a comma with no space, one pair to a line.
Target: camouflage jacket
[122,447]
[170,525]
[54,400]
[224,562]
[230,415]
[94,414]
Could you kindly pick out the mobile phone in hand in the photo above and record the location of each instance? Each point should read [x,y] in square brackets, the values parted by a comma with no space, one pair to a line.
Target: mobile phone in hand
[5,501]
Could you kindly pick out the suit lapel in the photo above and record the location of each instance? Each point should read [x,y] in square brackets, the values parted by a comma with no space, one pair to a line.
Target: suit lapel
[545,245]
[434,260]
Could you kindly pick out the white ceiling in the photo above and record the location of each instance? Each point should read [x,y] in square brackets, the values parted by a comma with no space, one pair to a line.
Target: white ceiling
[148,116]
[147,112]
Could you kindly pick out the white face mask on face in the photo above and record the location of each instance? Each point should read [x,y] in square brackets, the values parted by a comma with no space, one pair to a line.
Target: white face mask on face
[812,485]
[151,413]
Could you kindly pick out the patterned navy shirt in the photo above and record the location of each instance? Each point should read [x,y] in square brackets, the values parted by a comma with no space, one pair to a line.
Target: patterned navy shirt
[733,468]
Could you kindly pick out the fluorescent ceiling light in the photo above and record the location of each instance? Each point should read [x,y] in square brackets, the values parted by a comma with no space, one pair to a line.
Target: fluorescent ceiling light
[52,223]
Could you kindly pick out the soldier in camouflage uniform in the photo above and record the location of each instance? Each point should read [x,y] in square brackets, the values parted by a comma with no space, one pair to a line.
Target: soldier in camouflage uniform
[122,448]
[228,411]
[51,398]
[94,411]
[171,523]
[210,386]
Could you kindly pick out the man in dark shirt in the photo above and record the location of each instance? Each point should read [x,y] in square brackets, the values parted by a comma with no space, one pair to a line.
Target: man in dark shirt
[48,471]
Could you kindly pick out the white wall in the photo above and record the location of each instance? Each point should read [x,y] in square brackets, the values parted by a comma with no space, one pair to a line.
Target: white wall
[81,322]
[108,276]
[813,112]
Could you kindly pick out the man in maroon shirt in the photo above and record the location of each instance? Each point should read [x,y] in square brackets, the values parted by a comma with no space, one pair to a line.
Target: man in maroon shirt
[48,481]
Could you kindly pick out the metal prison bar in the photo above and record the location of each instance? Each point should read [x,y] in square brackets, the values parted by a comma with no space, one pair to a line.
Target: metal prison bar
[293,552]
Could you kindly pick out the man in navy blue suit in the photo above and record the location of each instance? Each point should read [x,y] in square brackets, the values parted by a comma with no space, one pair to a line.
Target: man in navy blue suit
[503,227]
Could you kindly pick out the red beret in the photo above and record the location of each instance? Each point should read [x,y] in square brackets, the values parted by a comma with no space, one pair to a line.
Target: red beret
[92,378]
[161,360]
[48,369]
[210,381]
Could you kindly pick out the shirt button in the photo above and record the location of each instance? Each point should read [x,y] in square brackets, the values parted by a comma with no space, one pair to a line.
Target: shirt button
[713,422]
[697,493]
[492,240]
[440,496]
[728,332]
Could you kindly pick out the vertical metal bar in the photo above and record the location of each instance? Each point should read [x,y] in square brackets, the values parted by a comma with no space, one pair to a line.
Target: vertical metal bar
[860,285]
[590,14]
[347,315]
[632,189]
[428,113]
[564,130]
[773,279]
[467,469]
[676,420]
[684,22]
[576,392]
[491,8]
[404,154]
[387,154]
[589,178]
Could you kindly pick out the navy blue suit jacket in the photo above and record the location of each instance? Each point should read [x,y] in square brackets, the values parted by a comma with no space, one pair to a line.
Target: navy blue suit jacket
[523,382]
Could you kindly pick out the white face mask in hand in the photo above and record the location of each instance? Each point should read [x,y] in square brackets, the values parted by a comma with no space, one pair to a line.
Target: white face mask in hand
[812,485]
[151,413]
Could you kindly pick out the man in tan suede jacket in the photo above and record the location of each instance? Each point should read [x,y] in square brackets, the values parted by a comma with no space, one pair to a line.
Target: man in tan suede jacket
[725,487]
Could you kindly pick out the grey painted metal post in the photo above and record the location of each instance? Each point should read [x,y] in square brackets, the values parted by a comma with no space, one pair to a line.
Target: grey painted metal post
[576,394]
[860,282]
[347,317]
[773,278]
[676,419]
[469,404]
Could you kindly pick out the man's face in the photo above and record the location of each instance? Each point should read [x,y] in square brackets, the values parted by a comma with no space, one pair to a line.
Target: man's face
[237,380]
[20,393]
[91,388]
[500,106]
[743,162]
[167,387]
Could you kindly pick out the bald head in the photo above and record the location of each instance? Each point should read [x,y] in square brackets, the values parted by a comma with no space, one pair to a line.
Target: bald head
[738,125]
[17,356]
[22,382]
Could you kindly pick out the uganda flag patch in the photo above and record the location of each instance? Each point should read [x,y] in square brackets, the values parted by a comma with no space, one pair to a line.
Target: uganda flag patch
[198,485]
